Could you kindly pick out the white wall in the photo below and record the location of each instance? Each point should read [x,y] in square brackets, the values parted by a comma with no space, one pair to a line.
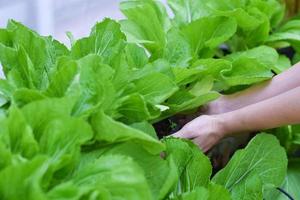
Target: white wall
[55,17]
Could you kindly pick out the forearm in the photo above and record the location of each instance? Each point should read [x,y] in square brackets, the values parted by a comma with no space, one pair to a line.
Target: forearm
[279,84]
[280,110]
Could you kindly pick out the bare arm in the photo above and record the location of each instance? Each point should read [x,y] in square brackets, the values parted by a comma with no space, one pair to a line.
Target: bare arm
[280,110]
[281,83]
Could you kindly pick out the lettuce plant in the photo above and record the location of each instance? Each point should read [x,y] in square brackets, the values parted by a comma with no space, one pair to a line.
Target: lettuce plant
[76,123]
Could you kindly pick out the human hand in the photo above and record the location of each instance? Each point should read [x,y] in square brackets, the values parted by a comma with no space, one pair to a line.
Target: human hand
[205,131]
[218,106]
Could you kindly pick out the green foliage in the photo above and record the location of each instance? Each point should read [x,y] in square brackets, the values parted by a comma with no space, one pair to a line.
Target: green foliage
[76,123]
[247,173]
[291,183]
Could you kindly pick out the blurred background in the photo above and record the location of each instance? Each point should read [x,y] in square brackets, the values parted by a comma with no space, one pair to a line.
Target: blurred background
[56,17]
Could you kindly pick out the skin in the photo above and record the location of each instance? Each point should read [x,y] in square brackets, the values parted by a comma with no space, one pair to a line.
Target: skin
[279,84]
[267,105]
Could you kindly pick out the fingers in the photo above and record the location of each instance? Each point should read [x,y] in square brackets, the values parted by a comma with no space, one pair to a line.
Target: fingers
[179,134]
[205,146]
[198,142]
[184,134]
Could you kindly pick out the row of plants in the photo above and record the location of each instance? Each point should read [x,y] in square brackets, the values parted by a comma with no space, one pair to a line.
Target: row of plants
[77,123]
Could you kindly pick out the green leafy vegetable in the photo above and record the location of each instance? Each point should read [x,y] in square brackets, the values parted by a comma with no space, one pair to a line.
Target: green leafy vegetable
[246,170]
[78,123]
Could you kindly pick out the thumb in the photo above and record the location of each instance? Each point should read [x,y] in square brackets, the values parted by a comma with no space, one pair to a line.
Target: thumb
[183,133]
[179,134]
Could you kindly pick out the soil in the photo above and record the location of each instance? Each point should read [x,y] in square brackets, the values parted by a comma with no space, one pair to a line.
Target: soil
[288,52]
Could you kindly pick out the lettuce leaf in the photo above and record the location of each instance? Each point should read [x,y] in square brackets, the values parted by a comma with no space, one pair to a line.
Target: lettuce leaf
[263,162]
